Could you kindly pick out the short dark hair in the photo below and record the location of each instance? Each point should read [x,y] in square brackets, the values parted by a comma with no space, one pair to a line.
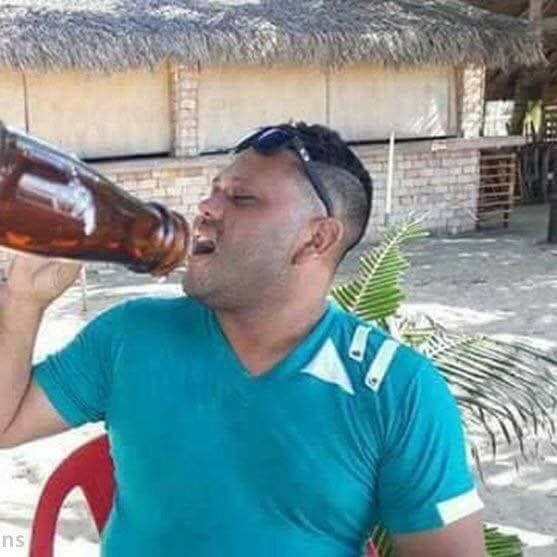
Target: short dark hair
[343,174]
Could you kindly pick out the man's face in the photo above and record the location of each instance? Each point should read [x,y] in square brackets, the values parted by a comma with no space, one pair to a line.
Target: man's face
[246,232]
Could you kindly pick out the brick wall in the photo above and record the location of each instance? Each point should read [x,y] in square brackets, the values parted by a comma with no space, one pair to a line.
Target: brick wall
[184,86]
[442,185]
[178,184]
[470,99]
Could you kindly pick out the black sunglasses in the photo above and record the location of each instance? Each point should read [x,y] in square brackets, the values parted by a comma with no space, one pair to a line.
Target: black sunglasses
[272,139]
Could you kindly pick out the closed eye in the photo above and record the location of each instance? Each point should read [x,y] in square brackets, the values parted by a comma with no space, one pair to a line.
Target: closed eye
[244,198]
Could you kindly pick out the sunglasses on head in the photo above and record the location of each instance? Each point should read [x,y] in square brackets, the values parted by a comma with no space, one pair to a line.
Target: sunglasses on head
[271,140]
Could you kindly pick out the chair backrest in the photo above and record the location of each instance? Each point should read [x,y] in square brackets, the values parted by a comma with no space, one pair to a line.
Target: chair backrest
[88,468]
[371,551]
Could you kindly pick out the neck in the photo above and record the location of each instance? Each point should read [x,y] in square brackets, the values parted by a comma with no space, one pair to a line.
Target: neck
[264,334]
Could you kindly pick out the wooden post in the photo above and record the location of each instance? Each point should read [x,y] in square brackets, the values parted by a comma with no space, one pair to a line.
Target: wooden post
[390,179]
[535,15]
[552,233]
[552,198]
[83,286]
[524,84]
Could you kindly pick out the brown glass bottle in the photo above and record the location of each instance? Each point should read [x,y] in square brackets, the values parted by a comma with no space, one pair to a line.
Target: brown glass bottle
[53,204]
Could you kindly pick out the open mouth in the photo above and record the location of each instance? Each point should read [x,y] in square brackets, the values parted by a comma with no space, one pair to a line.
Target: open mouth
[201,245]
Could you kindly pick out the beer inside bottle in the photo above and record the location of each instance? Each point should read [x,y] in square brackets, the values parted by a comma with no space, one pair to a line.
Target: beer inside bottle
[53,204]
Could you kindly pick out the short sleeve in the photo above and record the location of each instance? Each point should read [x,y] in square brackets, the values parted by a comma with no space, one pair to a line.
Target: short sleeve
[77,379]
[425,481]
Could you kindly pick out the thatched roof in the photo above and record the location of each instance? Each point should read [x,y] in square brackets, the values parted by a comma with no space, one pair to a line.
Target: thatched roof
[118,34]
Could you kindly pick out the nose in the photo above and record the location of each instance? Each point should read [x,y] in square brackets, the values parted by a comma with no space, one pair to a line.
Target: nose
[211,207]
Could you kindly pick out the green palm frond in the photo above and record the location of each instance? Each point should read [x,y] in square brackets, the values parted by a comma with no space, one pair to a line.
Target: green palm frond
[376,292]
[382,542]
[416,330]
[502,545]
[497,544]
[507,389]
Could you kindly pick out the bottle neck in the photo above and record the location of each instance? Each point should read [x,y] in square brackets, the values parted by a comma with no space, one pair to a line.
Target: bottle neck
[172,240]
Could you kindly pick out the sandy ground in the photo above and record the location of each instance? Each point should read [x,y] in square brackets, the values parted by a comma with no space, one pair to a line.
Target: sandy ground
[492,281]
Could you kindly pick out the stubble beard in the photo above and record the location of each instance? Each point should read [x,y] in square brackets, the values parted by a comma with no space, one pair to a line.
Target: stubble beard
[238,282]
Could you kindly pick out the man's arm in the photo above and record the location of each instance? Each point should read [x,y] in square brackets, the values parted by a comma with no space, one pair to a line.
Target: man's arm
[35,418]
[463,538]
[32,284]
[427,495]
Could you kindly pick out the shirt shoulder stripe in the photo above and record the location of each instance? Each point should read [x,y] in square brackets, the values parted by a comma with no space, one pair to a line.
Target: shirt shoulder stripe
[458,507]
[380,364]
[359,341]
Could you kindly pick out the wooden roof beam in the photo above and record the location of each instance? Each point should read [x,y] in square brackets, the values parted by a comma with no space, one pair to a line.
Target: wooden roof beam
[509,7]
[535,15]
[549,25]
[537,8]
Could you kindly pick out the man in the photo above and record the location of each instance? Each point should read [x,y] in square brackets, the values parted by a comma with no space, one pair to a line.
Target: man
[253,417]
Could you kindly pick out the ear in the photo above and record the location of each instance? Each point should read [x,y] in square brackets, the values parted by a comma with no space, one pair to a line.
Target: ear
[321,240]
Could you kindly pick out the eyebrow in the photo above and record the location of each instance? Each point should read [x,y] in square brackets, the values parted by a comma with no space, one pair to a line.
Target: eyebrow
[238,179]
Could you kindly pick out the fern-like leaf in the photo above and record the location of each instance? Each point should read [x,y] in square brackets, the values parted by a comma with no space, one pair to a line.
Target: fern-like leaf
[497,544]
[377,293]
[506,389]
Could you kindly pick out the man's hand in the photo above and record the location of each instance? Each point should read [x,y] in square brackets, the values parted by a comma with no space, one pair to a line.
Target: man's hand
[33,280]
[32,284]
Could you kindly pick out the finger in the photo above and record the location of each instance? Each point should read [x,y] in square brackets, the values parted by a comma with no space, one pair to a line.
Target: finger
[27,261]
[66,272]
[59,273]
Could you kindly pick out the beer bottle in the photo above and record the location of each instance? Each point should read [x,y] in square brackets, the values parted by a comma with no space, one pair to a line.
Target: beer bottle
[53,204]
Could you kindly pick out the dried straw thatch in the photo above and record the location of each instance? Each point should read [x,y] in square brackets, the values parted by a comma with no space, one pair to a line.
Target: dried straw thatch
[110,35]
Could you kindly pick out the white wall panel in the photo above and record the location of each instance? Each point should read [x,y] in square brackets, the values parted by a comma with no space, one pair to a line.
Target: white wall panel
[236,99]
[12,99]
[368,102]
[102,115]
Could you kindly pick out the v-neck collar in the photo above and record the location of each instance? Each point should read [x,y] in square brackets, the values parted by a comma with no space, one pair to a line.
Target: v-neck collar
[298,356]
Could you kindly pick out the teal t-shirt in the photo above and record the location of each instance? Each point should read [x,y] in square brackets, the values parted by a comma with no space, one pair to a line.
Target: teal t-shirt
[350,429]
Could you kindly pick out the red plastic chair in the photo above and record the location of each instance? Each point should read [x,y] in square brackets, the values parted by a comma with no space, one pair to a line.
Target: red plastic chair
[371,551]
[89,468]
